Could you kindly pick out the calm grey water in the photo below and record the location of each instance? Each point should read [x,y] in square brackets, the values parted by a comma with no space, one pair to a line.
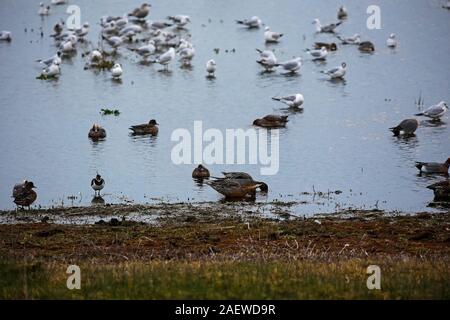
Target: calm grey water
[339,142]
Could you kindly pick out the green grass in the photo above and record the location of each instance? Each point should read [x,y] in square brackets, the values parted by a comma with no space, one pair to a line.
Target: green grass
[227,280]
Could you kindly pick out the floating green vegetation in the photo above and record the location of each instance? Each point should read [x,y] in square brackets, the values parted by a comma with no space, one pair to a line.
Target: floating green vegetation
[107,112]
[43,76]
[103,64]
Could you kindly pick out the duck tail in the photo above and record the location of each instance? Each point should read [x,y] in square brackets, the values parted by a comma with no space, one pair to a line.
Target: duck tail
[263,186]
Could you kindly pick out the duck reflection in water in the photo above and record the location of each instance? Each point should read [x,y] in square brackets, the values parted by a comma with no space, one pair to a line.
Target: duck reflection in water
[97,201]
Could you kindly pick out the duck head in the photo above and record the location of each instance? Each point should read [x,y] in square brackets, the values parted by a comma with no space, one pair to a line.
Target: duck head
[153,122]
[29,185]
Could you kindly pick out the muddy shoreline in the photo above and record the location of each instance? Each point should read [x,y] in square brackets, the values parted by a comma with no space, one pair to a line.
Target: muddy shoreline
[219,232]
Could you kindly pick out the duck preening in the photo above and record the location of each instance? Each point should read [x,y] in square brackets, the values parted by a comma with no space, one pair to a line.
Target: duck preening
[237,185]
[200,172]
[98,183]
[147,128]
[433,167]
[23,194]
[271,121]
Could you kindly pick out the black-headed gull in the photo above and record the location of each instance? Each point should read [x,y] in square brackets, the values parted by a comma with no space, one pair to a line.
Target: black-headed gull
[116,71]
[180,20]
[253,22]
[211,68]
[5,35]
[291,66]
[355,39]
[83,31]
[53,70]
[320,54]
[166,58]
[293,100]
[56,57]
[338,72]
[435,112]
[327,28]
[43,10]
[267,59]
[186,55]
[391,42]
[114,41]
[95,56]
[271,36]
[146,50]
[342,13]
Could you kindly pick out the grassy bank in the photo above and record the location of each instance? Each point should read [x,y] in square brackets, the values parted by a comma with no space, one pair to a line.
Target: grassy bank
[409,279]
[230,257]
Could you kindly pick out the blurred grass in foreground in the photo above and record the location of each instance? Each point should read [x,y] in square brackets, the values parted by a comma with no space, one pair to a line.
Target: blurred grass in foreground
[400,279]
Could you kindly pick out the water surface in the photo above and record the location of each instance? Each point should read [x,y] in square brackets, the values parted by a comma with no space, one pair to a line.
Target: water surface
[339,142]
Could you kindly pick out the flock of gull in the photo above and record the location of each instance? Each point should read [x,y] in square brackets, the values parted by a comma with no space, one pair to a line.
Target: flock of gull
[162,41]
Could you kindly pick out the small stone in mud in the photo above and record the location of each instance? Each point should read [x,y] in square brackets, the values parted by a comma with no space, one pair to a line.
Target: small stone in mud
[424,235]
[424,215]
[48,233]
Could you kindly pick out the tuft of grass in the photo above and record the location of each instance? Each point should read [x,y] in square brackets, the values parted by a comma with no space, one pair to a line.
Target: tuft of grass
[106,112]
[103,64]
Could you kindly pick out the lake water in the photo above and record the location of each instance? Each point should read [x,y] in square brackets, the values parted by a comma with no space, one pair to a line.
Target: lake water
[340,142]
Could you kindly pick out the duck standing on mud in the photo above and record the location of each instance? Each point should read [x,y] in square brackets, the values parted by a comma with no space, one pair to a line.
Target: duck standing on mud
[237,185]
[23,194]
[98,183]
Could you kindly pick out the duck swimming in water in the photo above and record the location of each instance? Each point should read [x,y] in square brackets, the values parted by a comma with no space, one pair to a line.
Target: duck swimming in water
[147,128]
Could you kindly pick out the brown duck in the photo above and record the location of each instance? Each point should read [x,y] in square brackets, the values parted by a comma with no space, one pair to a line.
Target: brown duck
[441,190]
[232,188]
[245,178]
[366,46]
[329,46]
[200,172]
[97,132]
[147,128]
[271,121]
[23,194]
